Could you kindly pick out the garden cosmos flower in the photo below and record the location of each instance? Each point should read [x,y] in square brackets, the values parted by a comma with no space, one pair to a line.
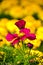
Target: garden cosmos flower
[21,25]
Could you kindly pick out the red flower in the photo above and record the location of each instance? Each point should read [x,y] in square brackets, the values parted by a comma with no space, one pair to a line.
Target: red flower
[28,35]
[15,42]
[20,24]
[31,36]
[10,36]
[23,38]
[25,30]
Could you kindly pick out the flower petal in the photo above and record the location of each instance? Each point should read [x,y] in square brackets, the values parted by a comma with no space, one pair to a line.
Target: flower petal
[9,37]
[20,24]
[15,42]
[25,30]
[15,35]
[31,36]
[23,38]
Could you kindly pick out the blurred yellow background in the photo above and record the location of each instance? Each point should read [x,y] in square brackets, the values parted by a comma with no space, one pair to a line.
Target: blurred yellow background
[29,10]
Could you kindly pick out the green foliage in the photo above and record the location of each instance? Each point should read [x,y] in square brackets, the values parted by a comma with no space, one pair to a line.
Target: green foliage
[14,56]
[34,63]
[35,15]
[6,16]
[1,1]
[41,47]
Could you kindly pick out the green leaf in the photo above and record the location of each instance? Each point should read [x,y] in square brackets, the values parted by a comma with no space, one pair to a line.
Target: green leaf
[35,15]
[13,56]
[2,15]
[41,47]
